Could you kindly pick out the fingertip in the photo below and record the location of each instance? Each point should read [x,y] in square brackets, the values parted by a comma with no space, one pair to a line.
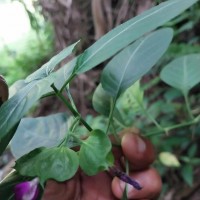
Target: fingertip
[137,150]
[149,180]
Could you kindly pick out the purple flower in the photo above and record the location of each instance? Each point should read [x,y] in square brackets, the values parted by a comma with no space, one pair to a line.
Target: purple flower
[27,190]
[124,177]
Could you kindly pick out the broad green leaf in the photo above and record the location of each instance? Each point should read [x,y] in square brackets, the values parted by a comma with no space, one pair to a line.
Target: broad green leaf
[14,109]
[168,159]
[131,30]
[182,73]
[134,61]
[107,46]
[95,153]
[6,139]
[58,163]
[38,132]
[48,67]
[132,99]
[15,87]
[187,174]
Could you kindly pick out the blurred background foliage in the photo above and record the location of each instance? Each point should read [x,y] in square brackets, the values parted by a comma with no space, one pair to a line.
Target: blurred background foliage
[26,39]
[49,26]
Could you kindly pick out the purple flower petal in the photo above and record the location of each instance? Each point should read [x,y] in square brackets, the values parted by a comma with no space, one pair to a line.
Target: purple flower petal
[124,177]
[27,190]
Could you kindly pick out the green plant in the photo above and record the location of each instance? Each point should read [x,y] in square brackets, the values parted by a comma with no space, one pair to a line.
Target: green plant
[119,98]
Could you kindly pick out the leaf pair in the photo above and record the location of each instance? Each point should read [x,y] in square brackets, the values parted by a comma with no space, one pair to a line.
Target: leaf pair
[61,163]
[58,163]
[14,109]
[129,66]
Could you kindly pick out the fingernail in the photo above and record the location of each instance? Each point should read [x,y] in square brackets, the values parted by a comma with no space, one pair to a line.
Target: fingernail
[128,187]
[141,145]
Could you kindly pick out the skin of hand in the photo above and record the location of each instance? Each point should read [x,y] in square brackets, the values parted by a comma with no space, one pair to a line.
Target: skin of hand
[140,154]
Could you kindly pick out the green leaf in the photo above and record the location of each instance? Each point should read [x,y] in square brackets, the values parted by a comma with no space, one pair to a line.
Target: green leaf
[6,139]
[95,153]
[132,99]
[48,67]
[131,30]
[187,174]
[168,159]
[134,61]
[102,102]
[58,163]
[38,132]
[182,73]
[14,109]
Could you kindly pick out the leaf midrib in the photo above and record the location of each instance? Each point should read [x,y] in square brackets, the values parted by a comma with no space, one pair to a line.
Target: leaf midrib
[108,41]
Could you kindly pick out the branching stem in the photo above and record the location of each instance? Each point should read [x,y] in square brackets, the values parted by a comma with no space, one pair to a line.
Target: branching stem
[70,107]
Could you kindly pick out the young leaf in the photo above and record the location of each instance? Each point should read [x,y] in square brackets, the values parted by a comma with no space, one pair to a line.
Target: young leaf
[131,30]
[38,132]
[58,163]
[48,67]
[182,73]
[132,99]
[134,61]
[95,153]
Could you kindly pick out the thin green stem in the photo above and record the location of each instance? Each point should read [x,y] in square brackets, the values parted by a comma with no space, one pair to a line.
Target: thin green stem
[70,97]
[67,82]
[150,84]
[148,115]
[74,124]
[69,106]
[119,123]
[188,106]
[76,138]
[127,172]
[173,127]
[50,94]
[110,118]
[115,134]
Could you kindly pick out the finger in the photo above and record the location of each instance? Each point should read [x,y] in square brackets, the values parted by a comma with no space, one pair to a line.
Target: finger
[150,181]
[139,151]
[61,190]
[97,187]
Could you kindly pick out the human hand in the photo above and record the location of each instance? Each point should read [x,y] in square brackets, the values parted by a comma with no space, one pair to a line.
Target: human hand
[140,154]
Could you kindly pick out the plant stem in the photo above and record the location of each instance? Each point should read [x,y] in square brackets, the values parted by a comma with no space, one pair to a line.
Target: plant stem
[69,106]
[150,84]
[188,106]
[70,97]
[50,94]
[127,172]
[67,82]
[173,127]
[148,115]
[112,107]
